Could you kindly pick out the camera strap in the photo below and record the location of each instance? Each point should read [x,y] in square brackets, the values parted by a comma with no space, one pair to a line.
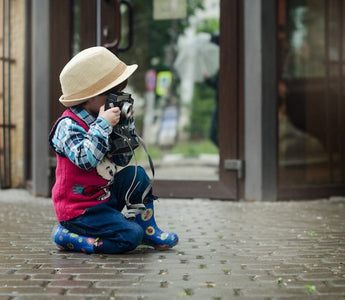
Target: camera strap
[134,209]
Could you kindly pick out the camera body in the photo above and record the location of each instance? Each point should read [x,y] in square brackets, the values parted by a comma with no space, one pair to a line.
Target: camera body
[122,100]
[122,139]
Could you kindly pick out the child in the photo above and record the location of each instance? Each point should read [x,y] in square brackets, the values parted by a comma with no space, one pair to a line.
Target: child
[90,193]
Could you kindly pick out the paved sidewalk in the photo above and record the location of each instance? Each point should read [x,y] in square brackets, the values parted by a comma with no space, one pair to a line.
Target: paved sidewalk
[227,250]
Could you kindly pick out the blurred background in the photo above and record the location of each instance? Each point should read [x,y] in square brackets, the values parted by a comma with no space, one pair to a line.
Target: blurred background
[235,99]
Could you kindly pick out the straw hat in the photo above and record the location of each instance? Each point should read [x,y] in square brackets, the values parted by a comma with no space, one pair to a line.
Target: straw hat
[90,73]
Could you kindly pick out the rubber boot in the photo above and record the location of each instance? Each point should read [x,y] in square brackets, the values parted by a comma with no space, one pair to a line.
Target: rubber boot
[153,236]
[67,240]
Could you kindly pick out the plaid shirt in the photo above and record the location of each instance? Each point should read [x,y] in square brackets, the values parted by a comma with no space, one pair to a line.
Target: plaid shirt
[86,149]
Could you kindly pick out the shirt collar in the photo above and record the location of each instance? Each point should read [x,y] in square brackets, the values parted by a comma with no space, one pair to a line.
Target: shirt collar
[83,114]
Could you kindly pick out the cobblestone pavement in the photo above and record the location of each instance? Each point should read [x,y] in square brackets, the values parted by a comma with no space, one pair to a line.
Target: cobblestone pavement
[227,250]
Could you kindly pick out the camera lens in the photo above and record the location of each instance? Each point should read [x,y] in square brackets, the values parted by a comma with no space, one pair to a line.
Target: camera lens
[126,110]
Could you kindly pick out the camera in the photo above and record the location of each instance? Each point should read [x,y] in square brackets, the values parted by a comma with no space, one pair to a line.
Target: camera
[122,139]
[122,100]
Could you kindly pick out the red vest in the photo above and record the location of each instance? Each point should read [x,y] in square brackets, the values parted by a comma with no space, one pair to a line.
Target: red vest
[76,189]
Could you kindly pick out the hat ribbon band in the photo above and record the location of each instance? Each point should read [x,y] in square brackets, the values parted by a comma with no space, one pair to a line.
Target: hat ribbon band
[100,84]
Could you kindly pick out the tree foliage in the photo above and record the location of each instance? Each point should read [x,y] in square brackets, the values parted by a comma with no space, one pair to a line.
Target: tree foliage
[154,41]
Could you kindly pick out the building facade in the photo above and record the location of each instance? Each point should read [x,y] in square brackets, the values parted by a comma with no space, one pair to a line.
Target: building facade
[269,128]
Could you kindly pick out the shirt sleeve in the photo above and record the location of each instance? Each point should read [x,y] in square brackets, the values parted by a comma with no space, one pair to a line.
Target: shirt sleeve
[85,149]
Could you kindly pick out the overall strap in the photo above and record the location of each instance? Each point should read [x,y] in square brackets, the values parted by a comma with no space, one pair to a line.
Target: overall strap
[66,114]
[69,114]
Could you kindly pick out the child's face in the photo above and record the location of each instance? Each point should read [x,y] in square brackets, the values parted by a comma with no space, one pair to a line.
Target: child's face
[94,104]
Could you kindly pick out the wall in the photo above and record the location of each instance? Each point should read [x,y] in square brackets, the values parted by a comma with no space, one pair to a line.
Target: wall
[260,128]
[17,89]
[12,38]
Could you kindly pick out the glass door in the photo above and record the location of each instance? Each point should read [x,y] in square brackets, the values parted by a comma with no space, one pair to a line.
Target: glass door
[186,87]
[177,95]
[311,103]
[176,86]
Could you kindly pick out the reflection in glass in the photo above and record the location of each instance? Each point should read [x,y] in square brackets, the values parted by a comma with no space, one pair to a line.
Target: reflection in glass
[175,87]
[311,96]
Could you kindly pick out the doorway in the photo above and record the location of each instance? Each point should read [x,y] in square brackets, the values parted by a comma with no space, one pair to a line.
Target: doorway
[187,88]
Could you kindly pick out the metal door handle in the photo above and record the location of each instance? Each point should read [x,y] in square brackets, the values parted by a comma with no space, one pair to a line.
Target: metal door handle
[117,39]
[130,25]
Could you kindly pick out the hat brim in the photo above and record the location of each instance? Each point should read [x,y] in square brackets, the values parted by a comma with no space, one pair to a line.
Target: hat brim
[125,75]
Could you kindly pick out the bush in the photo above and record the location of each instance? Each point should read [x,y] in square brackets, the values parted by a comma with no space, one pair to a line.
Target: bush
[203,105]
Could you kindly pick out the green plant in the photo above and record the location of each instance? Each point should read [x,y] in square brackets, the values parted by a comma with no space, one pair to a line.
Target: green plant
[203,104]
[193,149]
[154,151]
[310,288]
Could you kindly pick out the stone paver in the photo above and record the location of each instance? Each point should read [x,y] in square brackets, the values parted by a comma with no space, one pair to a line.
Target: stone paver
[227,250]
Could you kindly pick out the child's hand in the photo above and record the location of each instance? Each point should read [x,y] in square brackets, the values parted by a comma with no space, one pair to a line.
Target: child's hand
[112,115]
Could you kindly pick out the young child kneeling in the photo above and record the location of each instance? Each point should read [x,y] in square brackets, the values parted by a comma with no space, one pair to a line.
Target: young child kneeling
[89,193]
